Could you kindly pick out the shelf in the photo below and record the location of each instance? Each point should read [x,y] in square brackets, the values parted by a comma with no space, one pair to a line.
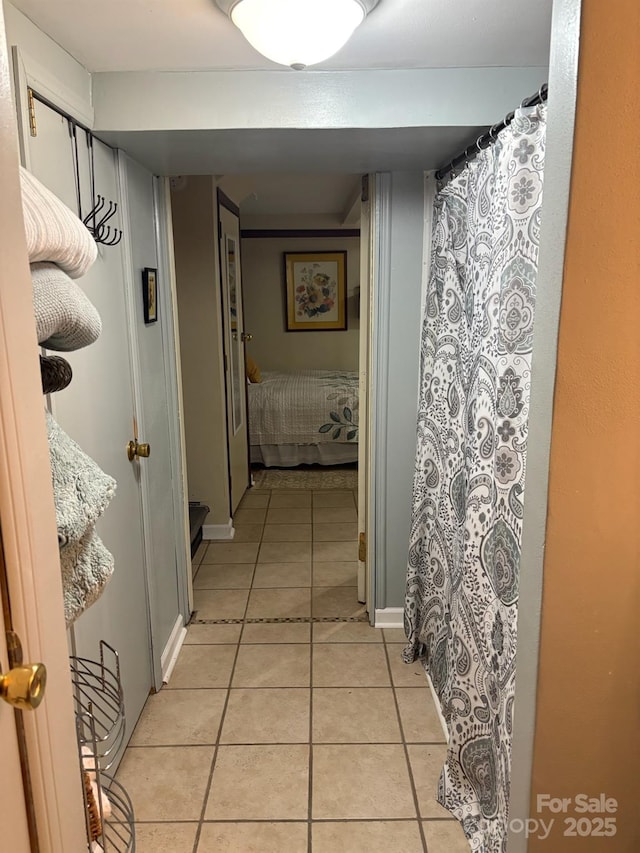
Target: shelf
[99,702]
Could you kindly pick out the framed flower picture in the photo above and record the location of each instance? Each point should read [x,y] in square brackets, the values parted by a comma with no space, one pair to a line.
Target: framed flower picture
[316,291]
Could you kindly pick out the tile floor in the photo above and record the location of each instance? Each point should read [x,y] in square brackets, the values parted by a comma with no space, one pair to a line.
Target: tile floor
[288,737]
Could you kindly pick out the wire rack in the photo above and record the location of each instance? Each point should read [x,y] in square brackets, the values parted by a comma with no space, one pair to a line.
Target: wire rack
[100,725]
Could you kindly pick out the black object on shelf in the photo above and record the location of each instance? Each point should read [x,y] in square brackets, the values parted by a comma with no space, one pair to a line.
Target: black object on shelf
[197,514]
[55,373]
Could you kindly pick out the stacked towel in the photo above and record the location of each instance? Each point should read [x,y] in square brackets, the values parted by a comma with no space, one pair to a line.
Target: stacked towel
[81,492]
[54,233]
[65,319]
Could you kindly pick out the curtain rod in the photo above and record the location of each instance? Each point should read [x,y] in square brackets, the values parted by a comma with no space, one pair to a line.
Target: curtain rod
[486,139]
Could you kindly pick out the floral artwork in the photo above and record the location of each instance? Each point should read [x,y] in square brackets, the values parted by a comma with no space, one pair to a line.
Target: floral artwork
[316,291]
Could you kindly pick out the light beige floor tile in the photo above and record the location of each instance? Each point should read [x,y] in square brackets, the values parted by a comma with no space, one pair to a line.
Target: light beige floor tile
[180,717]
[165,782]
[298,515]
[202,550]
[395,635]
[203,666]
[335,532]
[250,516]
[335,574]
[220,603]
[279,665]
[290,500]
[420,721]
[355,715]
[326,498]
[335,552]
[426,765]
[405,674]
[224,576]
[285,552]
[248,532]
[165,837]
[345,632]
[341,792]
[334,514]
[284,603]
[214,634]
[287,533]
[398,836]
[270,575]
[278,715]
[336,601]
[445,836]
[231,552]
[349,665]
[260,782]
[279,632]
[256,491]
[254,837]
[251,500]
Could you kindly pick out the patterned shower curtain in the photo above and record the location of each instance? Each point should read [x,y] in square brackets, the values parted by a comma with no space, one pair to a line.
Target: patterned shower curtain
[462,580]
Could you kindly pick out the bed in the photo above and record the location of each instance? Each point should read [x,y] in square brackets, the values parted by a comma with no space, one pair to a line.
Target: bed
[304,417]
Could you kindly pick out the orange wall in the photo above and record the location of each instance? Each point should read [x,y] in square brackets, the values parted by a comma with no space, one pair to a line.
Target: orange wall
[587,725]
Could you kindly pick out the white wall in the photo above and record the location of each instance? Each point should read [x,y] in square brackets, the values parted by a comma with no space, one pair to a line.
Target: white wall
[46,59]
[195,230]
[272,347]
[397,356]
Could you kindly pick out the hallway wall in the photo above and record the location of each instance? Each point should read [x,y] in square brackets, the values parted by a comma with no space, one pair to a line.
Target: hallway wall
[586,728]
[263,287]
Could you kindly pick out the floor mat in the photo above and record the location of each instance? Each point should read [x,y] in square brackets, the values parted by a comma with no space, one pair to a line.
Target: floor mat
[293,478]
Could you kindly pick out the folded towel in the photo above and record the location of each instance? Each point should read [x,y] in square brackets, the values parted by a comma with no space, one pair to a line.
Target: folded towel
[86,567]
[54,233]
[81,490]
[65,318]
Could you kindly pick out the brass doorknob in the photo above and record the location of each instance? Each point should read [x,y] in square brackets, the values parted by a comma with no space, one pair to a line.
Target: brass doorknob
[135,450]
[23,686]
[246,336]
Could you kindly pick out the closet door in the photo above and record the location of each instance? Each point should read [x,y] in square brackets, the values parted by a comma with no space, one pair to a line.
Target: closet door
[97,411]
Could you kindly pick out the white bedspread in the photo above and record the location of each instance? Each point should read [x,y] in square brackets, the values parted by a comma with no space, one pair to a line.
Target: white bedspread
[304,407]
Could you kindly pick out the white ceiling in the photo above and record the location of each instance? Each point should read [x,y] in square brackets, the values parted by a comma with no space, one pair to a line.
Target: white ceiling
[148,35]
[294,193]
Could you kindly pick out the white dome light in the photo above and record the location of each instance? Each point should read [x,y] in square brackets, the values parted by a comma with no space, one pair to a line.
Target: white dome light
[297,32]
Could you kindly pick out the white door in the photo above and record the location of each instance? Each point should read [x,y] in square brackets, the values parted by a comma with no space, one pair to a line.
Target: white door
[234,342]
[165,550]
[98,409]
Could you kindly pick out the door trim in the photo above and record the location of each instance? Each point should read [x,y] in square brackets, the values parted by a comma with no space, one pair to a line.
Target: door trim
[379,387]
[173,374]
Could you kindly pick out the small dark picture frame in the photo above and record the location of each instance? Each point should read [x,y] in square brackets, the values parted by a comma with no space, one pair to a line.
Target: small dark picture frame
[150,294]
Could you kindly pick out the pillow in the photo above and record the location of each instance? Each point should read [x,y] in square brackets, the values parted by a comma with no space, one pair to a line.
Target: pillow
[253,371]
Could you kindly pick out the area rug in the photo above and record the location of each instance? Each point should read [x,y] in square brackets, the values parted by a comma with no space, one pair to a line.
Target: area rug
[292,478]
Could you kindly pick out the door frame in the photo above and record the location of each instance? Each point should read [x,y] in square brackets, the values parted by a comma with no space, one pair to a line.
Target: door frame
[223,200]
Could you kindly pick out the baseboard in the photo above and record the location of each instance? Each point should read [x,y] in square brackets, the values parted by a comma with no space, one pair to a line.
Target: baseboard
[172,649]
[218,531]
[389,617]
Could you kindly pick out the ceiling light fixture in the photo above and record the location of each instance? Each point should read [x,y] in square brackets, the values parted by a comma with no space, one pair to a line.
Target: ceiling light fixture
[297,32]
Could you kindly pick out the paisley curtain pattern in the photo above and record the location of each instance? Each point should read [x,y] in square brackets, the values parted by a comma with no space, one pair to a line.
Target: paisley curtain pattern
[464,552]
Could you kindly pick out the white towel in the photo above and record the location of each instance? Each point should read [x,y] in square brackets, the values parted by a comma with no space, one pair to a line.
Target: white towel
[65,318]
[81,492]
[54,233]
